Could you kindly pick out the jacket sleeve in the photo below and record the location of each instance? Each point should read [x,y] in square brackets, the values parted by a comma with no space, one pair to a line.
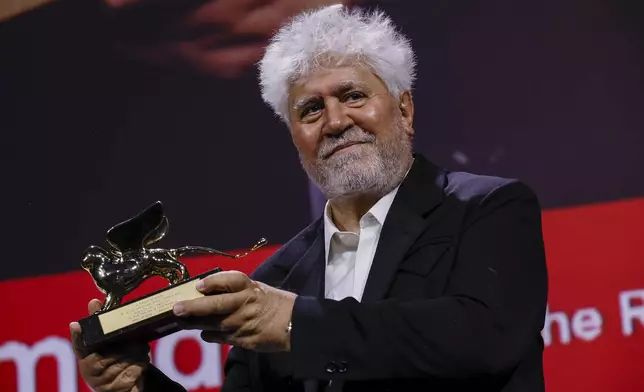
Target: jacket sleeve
[238,375]
[237,371]
[491,313]
[154,380]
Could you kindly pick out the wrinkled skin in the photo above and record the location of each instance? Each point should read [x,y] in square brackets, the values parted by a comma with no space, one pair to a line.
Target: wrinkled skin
[117,370]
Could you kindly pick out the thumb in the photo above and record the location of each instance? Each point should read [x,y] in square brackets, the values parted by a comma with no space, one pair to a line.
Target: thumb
[94,306]
[77,340]
[75,330]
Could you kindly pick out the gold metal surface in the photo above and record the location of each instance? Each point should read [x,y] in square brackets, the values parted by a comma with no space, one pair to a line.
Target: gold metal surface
[128,262]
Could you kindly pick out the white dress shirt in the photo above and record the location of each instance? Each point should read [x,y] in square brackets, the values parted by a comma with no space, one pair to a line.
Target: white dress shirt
[349,255]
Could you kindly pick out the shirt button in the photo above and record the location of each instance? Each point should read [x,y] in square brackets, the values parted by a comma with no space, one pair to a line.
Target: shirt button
[343,367]
[331,367]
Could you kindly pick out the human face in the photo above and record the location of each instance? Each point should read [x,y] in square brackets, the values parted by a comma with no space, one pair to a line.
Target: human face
[352,135]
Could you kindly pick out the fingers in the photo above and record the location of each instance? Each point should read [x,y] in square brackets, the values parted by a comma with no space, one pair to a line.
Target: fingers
[94,306]
[227,62]
[124,373]
[221,12]
[222,323]
[263,21]
[249,342]
[138,351]
[225,282]
[118,367]
[201,323]
[214,305]
[77,340]
[105,365]
[215,337]
[75,331]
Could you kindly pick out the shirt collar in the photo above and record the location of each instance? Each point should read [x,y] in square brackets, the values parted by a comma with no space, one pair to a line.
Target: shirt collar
[378,212]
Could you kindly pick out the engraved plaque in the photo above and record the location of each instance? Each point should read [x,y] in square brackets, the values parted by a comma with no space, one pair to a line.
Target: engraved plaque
[124,265]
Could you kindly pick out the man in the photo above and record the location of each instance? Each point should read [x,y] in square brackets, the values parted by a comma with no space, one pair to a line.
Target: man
[414,278]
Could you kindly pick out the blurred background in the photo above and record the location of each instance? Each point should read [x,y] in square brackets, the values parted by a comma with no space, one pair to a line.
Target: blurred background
[109,105]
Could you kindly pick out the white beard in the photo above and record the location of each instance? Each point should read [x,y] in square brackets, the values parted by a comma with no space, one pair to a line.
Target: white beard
[376,167]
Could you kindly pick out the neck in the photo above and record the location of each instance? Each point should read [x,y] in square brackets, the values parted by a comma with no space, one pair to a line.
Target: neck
[346,211]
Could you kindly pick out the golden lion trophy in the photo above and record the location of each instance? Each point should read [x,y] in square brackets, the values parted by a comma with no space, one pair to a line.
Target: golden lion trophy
[129,261]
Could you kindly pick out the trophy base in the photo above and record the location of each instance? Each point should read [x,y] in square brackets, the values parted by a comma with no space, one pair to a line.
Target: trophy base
[145,319]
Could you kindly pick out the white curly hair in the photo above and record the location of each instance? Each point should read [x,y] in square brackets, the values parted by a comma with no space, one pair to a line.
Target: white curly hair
[313,38]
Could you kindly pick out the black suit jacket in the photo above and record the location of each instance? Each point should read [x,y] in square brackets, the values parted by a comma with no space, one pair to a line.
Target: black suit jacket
[455,299]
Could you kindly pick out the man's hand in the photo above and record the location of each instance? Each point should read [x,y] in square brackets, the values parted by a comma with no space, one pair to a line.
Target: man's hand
[240,312]
[119,370]
[213,37]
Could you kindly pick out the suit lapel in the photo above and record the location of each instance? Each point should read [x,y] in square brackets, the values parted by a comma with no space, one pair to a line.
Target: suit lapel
[418,195]
[306,277]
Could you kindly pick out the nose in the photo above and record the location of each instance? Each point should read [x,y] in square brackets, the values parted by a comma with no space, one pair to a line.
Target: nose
[337,119]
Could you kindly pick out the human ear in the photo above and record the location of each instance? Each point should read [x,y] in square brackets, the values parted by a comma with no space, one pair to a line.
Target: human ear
[406,106]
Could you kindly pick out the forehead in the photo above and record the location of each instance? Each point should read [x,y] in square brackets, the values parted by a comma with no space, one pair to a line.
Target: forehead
[327,81]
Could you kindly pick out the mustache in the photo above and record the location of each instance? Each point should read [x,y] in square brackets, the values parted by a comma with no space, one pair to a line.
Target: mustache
[352,135]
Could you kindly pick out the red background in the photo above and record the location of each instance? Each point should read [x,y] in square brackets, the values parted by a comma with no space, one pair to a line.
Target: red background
[549,92]
[594,253]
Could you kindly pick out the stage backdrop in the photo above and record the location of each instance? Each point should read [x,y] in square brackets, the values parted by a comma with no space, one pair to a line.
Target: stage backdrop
[110,105]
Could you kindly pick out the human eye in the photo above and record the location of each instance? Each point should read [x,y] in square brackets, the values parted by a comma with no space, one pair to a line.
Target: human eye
[354,96]
[311,109]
